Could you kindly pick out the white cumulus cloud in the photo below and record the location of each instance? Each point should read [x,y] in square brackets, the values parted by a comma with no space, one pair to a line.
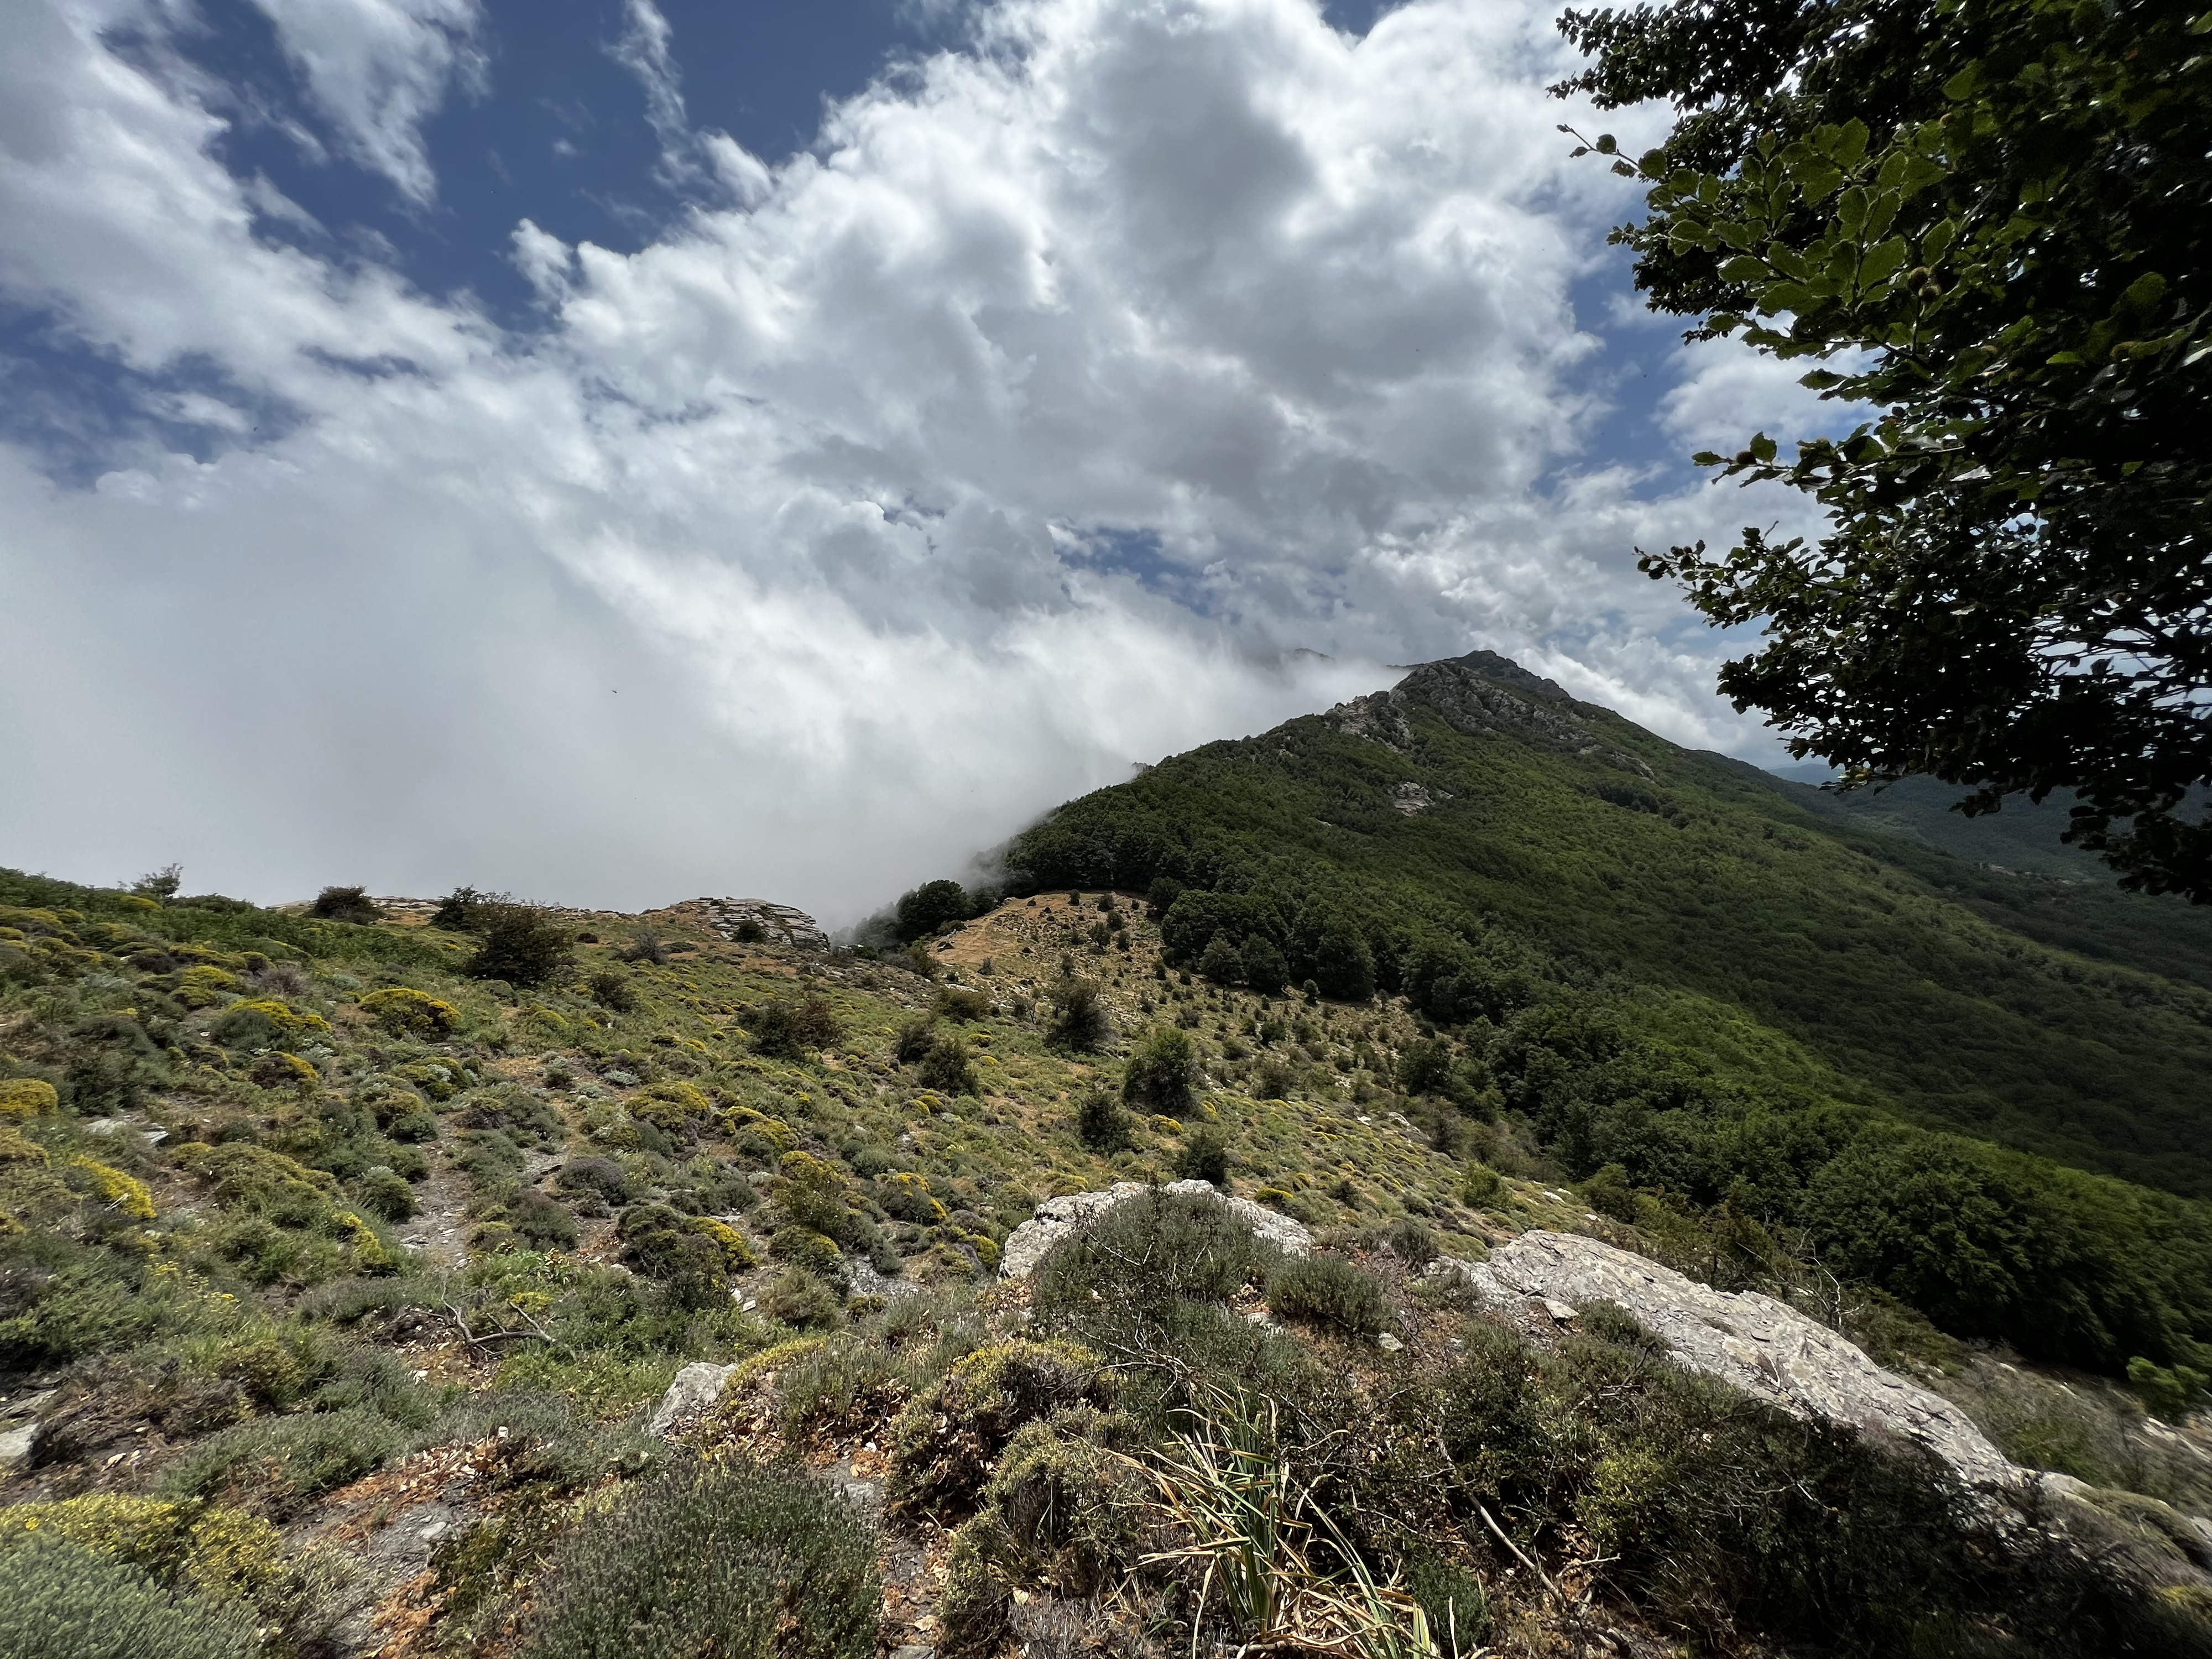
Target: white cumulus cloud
[379,69]
[1034,422]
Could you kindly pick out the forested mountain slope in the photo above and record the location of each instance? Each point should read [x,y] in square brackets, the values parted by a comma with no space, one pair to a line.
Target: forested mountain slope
[2012,867]
[1665,963]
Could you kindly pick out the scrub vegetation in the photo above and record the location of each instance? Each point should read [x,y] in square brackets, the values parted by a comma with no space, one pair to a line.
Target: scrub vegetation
[339,1274]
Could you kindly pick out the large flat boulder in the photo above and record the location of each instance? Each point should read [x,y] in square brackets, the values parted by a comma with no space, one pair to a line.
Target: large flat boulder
[1058,1217]
[1751,1342]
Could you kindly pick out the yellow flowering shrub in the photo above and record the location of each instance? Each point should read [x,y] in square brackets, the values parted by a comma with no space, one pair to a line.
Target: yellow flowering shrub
[22,1097]
[405,1012]
[204,985]
[119,1191]
[220,1551]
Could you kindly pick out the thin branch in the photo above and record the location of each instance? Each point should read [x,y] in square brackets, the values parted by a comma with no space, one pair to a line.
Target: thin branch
[1527,1561]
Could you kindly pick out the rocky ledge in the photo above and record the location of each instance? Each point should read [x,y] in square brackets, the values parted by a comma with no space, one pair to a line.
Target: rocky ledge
[1751,1342]
[781,924]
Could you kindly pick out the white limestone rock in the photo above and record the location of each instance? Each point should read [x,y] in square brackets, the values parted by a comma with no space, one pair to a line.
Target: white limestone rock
[782,924]
[695,1388]
[1058,1217]
[1751,1342]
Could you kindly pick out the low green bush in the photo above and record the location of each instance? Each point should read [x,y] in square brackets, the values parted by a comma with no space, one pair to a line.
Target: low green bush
[1329,1291]
[663,1245]
[796,1029]
[1135,1263]
[947,1441]
[278,1465]
[1101,1124]
[61,1601]
[404,1012]
[802,1300]
[541,1221]
[734,1559]
[385,1194]
[948,1068]
[802,1247]
[529,1120]
[600,1178]
[1204,1156]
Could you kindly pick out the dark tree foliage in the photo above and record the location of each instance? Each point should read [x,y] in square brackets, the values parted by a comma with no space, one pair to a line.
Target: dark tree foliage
[522,944]
[1204,1157]
[644,945]
[796,1029]
[160,885]
[1990,219]
[462,910]
[1159,1076]
[1101,1124]
[1265,970]
[1079,1019]
[346,904]
[1221,961]
[613,991]
[1424,1066]
[913,1039]
[948,1068]
[1725,999]
[930,906]
[1343,962]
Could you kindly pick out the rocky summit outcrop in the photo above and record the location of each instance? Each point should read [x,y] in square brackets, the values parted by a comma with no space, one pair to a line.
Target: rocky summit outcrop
[1751,1342]
[1058,1217]
[1481,695]
[781,924]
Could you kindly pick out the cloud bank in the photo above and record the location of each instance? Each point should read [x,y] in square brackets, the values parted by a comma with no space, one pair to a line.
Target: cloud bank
[1039,420]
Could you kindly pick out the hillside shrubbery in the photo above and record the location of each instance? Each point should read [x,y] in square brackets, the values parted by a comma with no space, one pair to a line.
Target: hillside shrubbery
[1727,1000]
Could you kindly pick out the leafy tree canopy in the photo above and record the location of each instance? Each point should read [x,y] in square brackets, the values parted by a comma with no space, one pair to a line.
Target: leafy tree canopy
[930,906]
[1986,220]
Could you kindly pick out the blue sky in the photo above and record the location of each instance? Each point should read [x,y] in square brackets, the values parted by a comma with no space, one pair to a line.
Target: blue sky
[618,449]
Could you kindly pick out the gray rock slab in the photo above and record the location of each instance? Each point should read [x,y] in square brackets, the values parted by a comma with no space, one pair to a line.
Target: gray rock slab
[1751,1342]
[697,1386]
[1058,1217]
[16,1446]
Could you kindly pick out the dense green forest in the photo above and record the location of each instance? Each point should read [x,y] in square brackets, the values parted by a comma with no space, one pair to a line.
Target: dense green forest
[1662,962]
